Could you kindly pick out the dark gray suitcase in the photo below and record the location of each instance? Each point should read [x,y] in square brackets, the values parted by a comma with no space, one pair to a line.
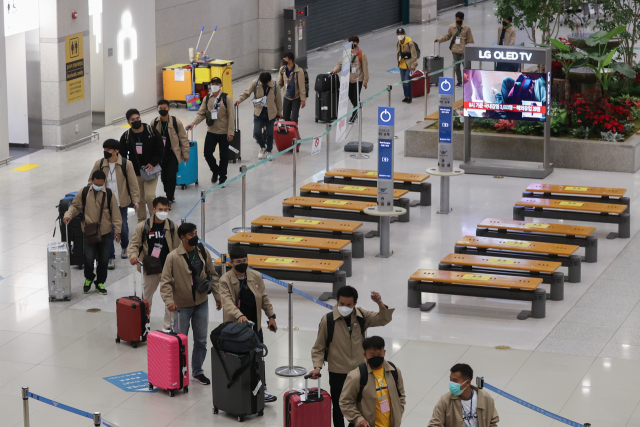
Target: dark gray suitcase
[434,63]
[234,145]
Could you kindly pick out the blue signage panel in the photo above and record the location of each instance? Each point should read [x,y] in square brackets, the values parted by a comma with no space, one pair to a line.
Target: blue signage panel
[385,154]
[132,382]
[445,86]
[446,122]
[386,116]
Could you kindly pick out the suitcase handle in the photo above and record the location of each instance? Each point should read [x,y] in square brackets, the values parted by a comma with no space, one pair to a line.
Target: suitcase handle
[434,48]
[141,281]
[306,386]
[236,108]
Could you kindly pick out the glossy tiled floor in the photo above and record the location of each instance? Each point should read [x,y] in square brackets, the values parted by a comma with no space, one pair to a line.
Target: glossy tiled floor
[581,361]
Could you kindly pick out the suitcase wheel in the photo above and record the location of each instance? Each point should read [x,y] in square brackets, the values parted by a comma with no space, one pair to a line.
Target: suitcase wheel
[134,344]
[52,299]
[117,340]
[240,418]
[215,410]
[316,120]
[150,386]
[67,299]
[186,389]
[183,186]
[171,393]
[196,182]
[261,414]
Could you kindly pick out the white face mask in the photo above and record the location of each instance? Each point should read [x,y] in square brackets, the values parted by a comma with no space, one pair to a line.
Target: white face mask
[162,215]
[400,37]
[97,187]
[215,88]
[345,311]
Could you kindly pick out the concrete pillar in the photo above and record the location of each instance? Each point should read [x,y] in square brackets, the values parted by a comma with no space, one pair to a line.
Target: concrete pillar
[4,130]
[271,22]
[422,10]
[63,122]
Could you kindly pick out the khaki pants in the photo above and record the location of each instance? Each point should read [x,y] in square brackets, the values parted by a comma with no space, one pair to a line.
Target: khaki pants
[150,286]
[147,194]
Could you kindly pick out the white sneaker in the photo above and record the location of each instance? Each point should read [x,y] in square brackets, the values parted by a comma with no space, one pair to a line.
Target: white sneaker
[267,155]
[261,154]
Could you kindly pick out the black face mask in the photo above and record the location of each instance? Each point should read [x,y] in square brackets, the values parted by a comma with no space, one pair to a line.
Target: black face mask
[458,23]
[193,241]
[505,23]
[163,113]
[375,362]
[284,62]
[241,268]
[136,125]
[107,155]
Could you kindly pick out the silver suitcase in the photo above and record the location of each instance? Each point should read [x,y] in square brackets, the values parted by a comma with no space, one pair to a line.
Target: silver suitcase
[434,63]
[59,271]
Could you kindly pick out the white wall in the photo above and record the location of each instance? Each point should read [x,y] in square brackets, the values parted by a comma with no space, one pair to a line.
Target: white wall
[97,73]
[18,114]
[4,132]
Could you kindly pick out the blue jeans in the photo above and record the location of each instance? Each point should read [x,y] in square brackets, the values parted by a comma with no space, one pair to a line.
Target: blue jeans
[199,317]
[258,123]
[100,252]
[406,75]
[124,234]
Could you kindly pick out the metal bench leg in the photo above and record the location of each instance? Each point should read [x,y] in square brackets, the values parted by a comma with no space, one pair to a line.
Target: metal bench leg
[287,211]
[626,201]
[425,194]
[624,227]
[481,231]
[557,286]
[406,204]
[357,245]
[575,262]
[538,306]
[346,259]
[459,249]
[591,249]
[376,233]
[518,213]
[340,280]
[414,296]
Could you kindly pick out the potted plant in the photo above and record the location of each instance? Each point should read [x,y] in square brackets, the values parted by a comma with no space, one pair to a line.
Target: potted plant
[566,54]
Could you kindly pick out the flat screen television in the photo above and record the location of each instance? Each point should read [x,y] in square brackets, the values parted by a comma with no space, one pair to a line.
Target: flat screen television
[505,95]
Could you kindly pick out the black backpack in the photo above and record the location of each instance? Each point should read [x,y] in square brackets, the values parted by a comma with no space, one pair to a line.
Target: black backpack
[417,48]
[331,325]
[364,378]
[123,167]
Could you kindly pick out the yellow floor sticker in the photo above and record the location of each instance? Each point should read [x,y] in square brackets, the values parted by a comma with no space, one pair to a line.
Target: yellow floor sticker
[289,239]
[353,188]
[279,260]
[518,243]
[570,204]
[536,225]
[26,167]
[502,261]
[372,173]
[476,277]
[335,202]
[306,221]
[576,188]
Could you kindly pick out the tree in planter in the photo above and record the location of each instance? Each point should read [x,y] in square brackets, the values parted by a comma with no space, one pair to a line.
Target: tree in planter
[569,58]
[624,13]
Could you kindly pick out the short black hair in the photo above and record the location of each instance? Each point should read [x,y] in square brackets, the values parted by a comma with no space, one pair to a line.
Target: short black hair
[464,369]
[163,102]
[460,15]
[237,252]
[354,39]
[98,174]
[111,144]
[186,228]
[375,342]
[509,18]
[161,201]
[290,55]
[265,77]
[131,112]
[347,292]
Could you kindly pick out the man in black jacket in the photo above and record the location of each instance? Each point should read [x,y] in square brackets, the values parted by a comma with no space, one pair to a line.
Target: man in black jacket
[143,146]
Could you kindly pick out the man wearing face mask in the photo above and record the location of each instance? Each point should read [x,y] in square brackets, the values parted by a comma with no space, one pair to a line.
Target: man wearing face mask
[460,36]
[176,146]
[101,211]
[143,146]
[373,393]
[291,77]
[465,405]
[267,105]
[339,342]
[122,181]
[188,277]
[358,76]
[506,37]
[152,241]
[244,297]
[217,109]
[407,61]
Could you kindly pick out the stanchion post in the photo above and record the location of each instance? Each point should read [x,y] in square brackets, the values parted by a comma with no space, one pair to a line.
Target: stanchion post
[326,140]
[203,230]
[389,87]
[25,406]
[96,419]
[295,156]
[243,229]
[426,94]
[290,371]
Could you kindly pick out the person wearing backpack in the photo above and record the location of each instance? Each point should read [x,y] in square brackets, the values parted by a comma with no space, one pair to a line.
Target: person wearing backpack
[339,342]
[217,109]
[359,74]
[176,147]
[121,180]
[373,393]
[292,78]
[244,298]
[460,36]
[152,241]
[143,146]
[101,212]
[407,55]
[188,277]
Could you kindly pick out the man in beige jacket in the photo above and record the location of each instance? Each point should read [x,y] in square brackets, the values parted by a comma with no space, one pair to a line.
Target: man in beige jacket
[100,207]
[339,340]
[176,147]
[358,75]
[121,179]
[460,36]
[407,56]
[187,279]
[380,403]
[291,77]
[464,404]
[152,241]
[506,37]
[267,107]
[217,109]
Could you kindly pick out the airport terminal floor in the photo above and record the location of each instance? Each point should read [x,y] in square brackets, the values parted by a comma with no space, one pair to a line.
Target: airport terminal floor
[581,361]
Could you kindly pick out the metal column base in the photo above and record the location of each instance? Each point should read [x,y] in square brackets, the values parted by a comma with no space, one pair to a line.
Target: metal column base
[290,371]
[241,230]
[352,147]
[427,306]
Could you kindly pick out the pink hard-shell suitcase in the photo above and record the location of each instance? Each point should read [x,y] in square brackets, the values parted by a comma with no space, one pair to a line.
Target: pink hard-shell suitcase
[168,361]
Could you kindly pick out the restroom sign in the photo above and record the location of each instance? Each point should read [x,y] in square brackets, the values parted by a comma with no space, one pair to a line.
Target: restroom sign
[74,53]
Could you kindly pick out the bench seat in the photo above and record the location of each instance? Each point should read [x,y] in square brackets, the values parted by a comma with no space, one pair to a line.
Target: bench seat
[580,194]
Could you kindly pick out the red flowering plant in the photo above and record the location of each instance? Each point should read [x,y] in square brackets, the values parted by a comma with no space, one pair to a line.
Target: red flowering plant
[504,125]
[600,114]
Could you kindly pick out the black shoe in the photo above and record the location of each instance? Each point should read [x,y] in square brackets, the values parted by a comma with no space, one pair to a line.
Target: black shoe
[459,84]
[87,285]
[202,379]
[214,179]
[268,398]
[405,100]
[222,180]
[408,101]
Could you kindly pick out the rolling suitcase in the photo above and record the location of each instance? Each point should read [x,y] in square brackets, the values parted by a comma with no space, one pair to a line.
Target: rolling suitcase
[418,86]
[132,316]
[234,145]
[72,234]
[188,174]
[309,408]
[327,93]
[59,271]
[434,63]
[284,133]
[168,360]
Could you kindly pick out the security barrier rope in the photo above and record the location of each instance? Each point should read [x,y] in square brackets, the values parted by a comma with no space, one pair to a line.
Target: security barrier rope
[68,408]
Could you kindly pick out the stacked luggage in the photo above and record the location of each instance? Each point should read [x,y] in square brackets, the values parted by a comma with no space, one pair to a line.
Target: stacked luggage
[327,93]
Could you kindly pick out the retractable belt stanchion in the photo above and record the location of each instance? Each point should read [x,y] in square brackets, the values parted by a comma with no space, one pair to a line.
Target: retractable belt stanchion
[290,371]
[243,229]
[96,419]
[389,87]
[327,140]
[25,406]
[203,230]
[295,148]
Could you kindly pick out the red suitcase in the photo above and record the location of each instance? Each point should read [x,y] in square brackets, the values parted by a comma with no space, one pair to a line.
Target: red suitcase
[168,361]
[283,134]
[418,86]
[132,317]
[309,408]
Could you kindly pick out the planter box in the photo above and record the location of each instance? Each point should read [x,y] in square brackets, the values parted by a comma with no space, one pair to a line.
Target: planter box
[564,152]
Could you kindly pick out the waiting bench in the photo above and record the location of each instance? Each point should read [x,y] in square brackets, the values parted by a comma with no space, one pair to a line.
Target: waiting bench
[542,232]
[546,270]
[522,249]
[477,285]
[299,269]
[326,228]
[354,192]
[576,211]
[579,194]
[412,182]
[349,210]
[291,246]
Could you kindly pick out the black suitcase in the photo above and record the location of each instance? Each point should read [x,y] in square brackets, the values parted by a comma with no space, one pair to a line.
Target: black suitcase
[234,145]
[327,98]
[245,395]
[76,236]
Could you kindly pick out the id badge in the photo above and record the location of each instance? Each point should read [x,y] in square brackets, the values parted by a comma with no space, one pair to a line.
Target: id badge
[164,140]
[353,70]
[384,405]
[214,115]
[399,58]
[156,250]
[139,149]
[458,40]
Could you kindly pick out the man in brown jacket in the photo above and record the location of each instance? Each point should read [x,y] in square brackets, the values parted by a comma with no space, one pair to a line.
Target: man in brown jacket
[339,340]
[358,76]
[176,146]
[267,107]
[380,403]
[460,36]
[100,207]
[506,37]
[217,108]
[187,279]
[152,241]
[291,77]
[121,179]
[464,405]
